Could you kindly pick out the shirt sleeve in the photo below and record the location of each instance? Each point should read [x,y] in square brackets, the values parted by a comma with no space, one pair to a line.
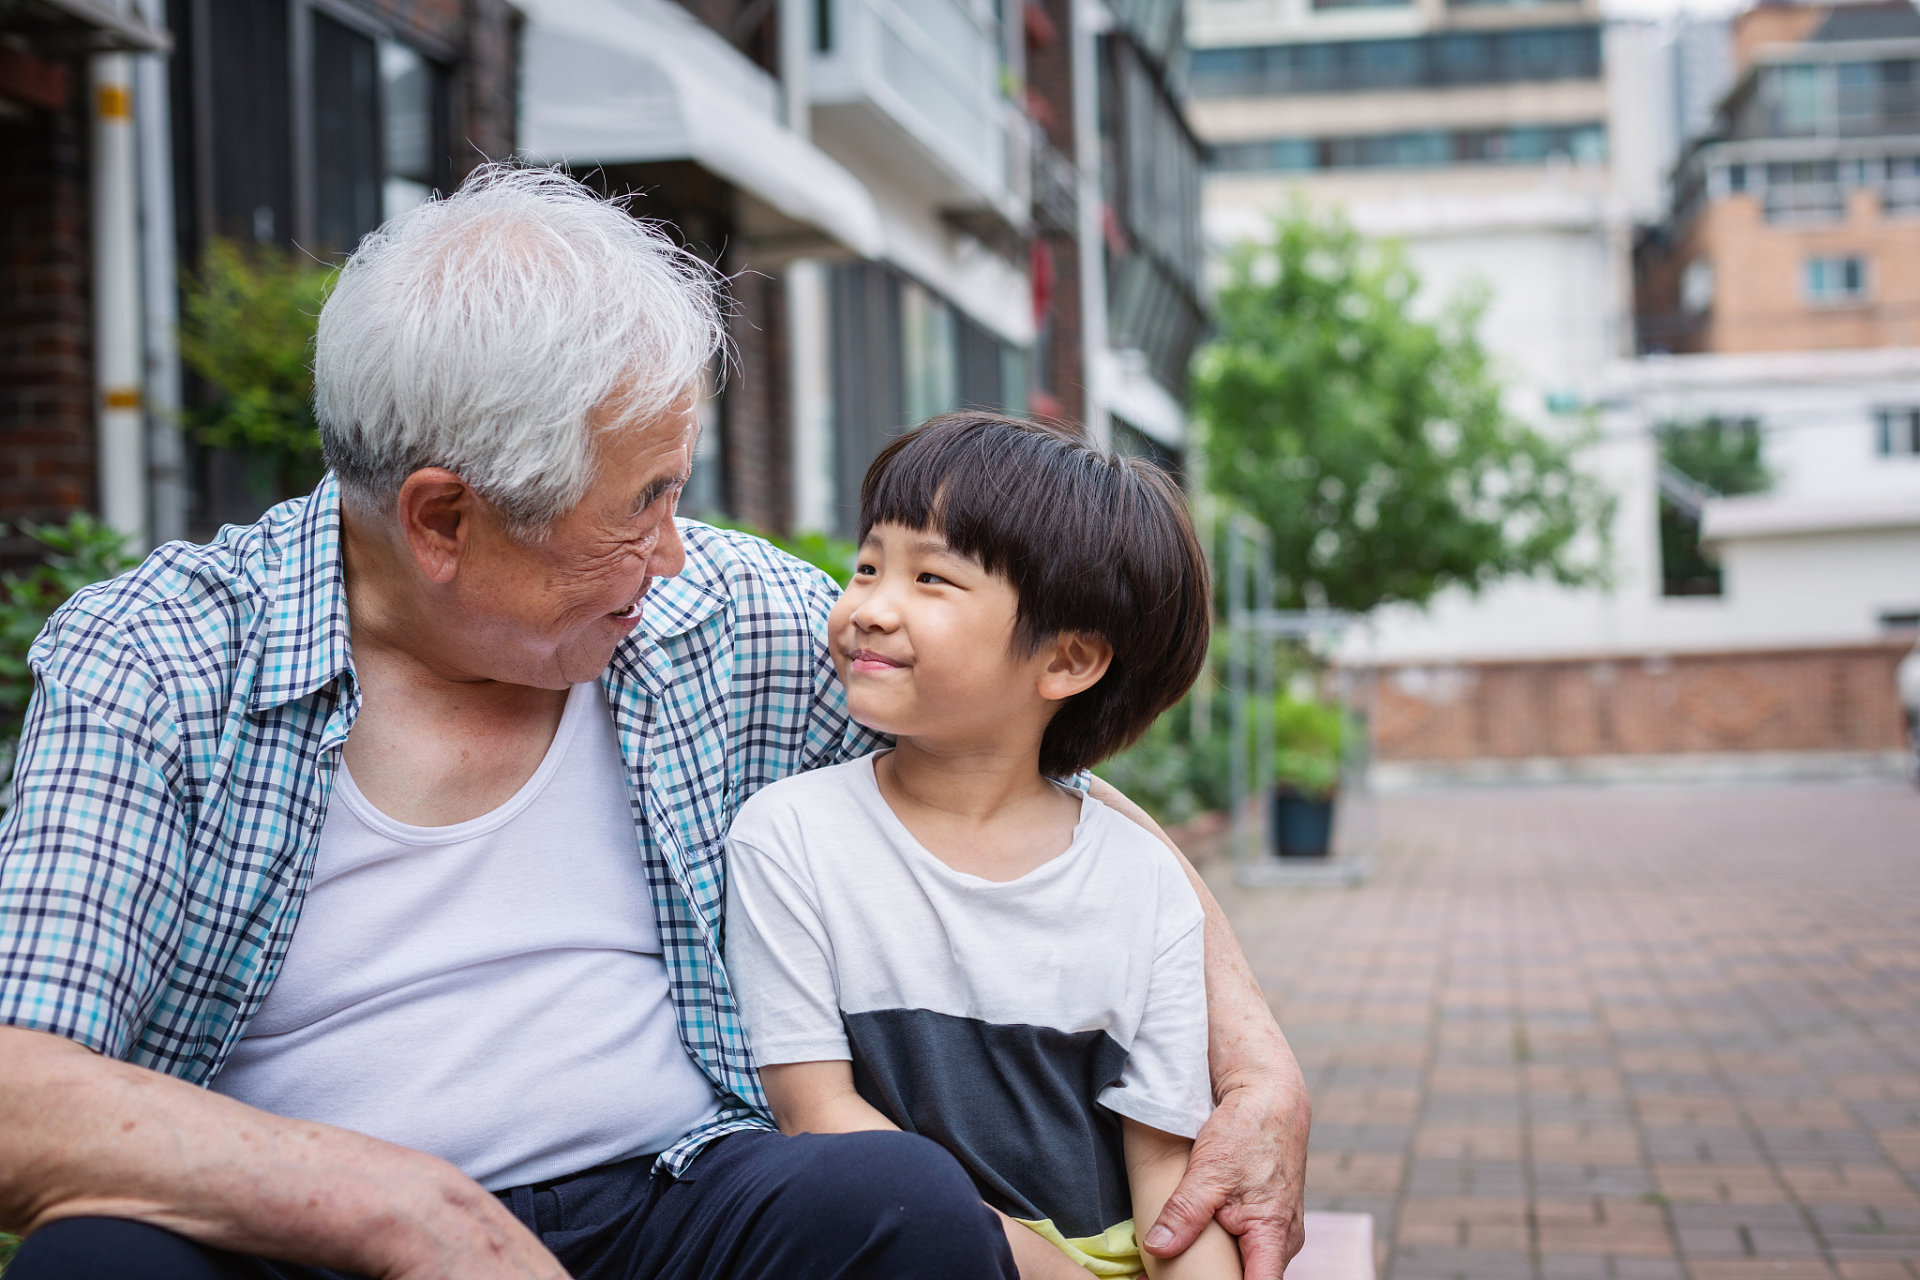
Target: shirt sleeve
[778,956]
[1165,1083]
[93,874]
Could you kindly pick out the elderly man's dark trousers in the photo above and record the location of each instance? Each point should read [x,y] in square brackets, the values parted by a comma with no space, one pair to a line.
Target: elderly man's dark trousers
[755,1206]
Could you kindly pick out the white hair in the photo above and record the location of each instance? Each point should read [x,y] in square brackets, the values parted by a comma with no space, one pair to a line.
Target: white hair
[482,332]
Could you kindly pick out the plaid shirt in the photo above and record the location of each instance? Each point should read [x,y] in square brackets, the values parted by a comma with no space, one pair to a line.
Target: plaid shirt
[181,746]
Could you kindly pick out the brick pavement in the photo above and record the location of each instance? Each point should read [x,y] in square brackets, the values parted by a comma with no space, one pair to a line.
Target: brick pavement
[1652,1034]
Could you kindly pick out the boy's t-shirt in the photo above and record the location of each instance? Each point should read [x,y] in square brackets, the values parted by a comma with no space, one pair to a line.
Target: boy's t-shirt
[1012,1022]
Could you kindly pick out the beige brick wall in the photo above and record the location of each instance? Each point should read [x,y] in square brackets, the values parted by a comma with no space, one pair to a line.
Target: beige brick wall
[1759,269]
[1839,699]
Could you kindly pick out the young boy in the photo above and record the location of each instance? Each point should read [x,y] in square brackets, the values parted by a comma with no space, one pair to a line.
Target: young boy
[943,939]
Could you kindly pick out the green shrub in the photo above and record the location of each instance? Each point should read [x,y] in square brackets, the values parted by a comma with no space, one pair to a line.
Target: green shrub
[247,329]
[821,550]
[79,552]
[7,1245]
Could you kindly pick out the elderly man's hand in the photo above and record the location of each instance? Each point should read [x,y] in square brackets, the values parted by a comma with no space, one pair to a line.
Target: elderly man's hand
[1248,1168]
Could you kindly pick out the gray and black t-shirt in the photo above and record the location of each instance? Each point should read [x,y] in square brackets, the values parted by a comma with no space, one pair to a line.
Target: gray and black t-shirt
[1012,1022]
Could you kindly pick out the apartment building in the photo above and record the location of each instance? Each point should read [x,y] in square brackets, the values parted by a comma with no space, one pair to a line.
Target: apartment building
[922,206]
[1796,218]
[1506,145]
[1522,147]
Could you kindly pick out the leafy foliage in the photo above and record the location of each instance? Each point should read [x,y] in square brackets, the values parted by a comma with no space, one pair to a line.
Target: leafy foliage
[79,552]
[821,550]
[1722,456]
[248,327]
[1374,444]
[1718,454]
[1310,739]
[1179,770]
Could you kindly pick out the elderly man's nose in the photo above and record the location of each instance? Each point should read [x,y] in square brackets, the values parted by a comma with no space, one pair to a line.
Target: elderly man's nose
[669,553]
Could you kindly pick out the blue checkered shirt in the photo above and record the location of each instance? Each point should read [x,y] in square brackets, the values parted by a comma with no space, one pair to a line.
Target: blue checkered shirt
[180,750]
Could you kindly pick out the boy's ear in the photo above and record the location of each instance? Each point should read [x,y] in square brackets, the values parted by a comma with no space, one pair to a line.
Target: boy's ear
[1075,662]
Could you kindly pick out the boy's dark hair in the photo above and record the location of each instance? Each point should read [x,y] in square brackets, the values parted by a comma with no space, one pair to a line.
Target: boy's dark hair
[1091,542]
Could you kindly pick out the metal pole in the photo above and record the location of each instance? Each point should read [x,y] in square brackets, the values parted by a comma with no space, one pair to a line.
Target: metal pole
[118,317]
[1201,709]
[1266,644]
[1237,643]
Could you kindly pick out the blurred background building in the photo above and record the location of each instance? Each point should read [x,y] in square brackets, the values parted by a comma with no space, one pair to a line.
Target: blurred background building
[921,206]
[1644,207]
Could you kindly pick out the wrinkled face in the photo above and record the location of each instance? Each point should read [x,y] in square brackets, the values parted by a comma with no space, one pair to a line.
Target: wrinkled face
[923,640]
[550,613]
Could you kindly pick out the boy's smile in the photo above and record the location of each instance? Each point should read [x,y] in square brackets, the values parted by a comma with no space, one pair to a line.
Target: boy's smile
[923,639]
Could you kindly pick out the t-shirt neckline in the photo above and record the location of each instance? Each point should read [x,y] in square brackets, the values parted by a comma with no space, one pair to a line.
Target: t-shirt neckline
[579,704]
[905,838]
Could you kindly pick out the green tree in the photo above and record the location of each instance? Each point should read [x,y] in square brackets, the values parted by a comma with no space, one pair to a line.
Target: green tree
[1372,443]
[247,329]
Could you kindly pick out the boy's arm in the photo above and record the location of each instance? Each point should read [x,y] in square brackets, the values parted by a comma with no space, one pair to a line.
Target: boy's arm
[819,1097]
[1251,1161]
[1156,1161]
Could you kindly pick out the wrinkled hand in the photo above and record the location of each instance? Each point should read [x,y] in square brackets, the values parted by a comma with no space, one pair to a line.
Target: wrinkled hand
[1248,1169]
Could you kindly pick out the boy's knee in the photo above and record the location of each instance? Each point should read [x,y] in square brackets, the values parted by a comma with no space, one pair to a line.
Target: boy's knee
[907,1199]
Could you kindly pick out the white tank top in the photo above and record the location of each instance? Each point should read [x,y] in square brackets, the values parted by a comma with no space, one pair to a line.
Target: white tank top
[491,992]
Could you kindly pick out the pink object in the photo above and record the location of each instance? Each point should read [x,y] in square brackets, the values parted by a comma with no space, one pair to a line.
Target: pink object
[1339,1247]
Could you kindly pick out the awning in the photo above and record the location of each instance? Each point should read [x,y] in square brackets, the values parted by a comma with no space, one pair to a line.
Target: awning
[628,81]
[81,26]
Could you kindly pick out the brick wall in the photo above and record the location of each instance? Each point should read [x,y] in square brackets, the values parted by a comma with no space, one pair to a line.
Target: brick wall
[46,378]
[1840,699]
[1759,292]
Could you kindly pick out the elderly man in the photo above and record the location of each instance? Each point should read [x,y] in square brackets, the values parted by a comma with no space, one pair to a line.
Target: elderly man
[392,824]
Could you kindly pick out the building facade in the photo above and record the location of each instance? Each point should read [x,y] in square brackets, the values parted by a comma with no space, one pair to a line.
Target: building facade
[77,87]
[1503,145]
[1796,218]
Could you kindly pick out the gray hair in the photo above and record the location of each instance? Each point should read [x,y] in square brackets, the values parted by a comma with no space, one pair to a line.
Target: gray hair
[481,332]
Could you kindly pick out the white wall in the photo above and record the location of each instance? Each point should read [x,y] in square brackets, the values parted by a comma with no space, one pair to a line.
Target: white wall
[1817,587]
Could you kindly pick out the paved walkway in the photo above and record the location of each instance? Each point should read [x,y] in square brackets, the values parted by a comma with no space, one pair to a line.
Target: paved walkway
[1645,1034]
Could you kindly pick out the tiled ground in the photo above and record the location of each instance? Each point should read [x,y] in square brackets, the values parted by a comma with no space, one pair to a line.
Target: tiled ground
[1644,1034]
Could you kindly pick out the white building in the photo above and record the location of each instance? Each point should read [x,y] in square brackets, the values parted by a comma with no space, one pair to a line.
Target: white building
[1830,556]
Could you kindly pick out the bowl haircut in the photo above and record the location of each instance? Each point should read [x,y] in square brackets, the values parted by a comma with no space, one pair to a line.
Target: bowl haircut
[1092,543]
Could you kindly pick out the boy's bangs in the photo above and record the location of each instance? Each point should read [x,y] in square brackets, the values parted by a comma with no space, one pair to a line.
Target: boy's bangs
[987,494]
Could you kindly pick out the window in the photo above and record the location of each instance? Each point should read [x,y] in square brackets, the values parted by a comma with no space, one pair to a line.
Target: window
[1696,287]
[1523,144]
[378,132]
[1834,280]
[1350,66]
[1899,432]
[299,127]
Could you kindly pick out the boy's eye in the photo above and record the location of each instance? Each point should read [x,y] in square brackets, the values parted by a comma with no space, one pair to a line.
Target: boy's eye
[931,578]
[864,570]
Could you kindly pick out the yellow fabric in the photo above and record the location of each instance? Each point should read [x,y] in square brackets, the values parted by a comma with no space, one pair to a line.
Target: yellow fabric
[1114,1252]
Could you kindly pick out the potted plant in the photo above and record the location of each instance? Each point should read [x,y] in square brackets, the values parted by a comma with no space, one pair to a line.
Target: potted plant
[1308,738]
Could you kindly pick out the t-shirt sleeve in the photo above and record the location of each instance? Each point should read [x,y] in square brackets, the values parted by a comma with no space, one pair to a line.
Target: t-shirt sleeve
[1165,1083]
[778,957]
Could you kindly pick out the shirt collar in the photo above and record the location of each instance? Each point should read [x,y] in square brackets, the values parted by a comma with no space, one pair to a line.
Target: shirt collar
[307,643]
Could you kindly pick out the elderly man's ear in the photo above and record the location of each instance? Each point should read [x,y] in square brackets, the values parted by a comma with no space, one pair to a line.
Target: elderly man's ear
[436,509]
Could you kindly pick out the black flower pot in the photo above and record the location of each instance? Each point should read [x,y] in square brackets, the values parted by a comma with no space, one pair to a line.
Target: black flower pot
[1302,826]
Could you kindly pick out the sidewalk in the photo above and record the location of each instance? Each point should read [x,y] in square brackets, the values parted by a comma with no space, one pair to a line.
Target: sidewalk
[1646,1034]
